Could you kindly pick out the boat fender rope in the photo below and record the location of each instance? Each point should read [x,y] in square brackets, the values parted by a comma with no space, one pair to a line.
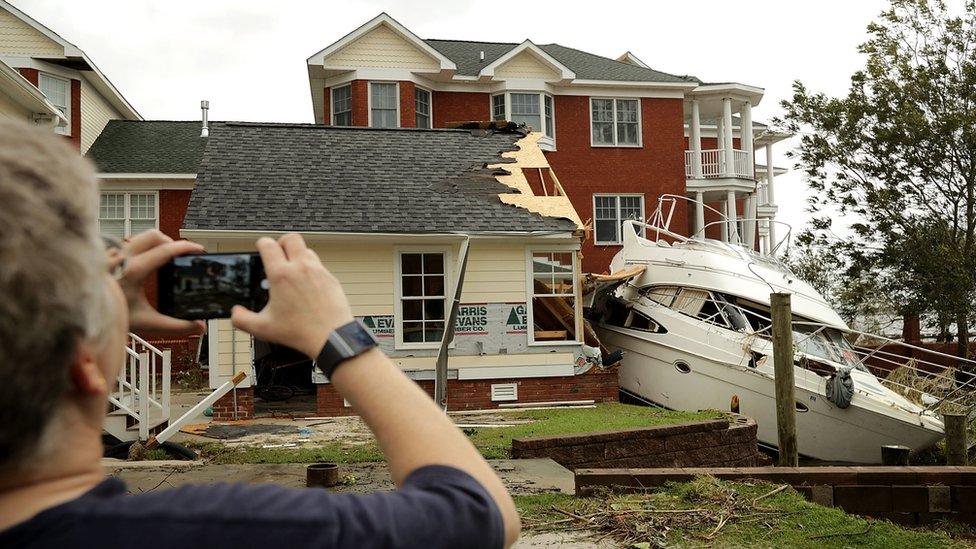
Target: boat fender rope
[840,388]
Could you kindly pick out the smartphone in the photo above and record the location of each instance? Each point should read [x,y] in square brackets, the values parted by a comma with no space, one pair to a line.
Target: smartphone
[205,286]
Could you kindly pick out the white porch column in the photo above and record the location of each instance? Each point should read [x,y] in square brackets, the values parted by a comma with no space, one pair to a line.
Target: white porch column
[700,214]
[728,143]
[746,136]
[770,195]
[749,225]
[731,214]
[696,161]
[724,236]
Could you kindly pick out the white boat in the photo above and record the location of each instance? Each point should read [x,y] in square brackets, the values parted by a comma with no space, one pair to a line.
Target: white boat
[695,332]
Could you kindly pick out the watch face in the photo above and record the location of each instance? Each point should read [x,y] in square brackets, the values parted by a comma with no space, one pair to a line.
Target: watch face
[357,336]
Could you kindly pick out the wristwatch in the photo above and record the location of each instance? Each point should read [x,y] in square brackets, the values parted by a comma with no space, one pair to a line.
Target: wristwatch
[347,341]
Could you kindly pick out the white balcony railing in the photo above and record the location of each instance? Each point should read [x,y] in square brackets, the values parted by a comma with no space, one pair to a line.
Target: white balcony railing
[711,164]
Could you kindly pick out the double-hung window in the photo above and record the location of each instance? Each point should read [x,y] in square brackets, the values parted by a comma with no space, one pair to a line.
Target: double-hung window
[384,105]
[122,215]
[58,92]
[342,106]
[615,122]
[553,292]
[532,109]
[422,108]
[422,299]
[609,213]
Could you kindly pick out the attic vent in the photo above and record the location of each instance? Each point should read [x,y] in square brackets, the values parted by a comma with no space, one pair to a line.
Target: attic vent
[481,55]
[501,392]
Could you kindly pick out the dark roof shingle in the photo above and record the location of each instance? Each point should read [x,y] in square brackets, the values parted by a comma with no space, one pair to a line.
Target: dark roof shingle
[587,66]
[296,177]
[148,146]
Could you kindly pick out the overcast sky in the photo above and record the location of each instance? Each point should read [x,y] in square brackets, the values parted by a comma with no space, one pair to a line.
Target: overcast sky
[248,57]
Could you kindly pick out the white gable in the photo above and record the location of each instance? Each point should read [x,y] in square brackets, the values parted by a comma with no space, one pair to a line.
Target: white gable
[19,38]
[382,48]
[526,65]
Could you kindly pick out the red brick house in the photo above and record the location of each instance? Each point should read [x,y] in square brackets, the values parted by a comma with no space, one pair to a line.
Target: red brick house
[619,134]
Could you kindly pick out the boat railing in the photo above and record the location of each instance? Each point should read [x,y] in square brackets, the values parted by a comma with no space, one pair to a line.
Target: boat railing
[660,223]
[909,370]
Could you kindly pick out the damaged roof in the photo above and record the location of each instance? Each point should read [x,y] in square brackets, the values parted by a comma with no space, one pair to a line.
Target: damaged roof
[313,178]
[587,66]
[148,146]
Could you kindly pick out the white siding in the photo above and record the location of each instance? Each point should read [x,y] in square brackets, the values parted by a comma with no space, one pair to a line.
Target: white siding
[495,274]
[95,114]
[382,48]
[19,38]
[11,110]
[526,65]
[233,353]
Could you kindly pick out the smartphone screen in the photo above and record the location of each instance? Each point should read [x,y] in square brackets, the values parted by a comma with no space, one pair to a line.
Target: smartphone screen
[204,286]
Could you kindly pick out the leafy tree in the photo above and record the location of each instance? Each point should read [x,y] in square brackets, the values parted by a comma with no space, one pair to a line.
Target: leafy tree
[897,156]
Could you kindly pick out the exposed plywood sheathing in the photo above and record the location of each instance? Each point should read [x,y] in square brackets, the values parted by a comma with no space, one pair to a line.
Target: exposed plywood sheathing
[528,157]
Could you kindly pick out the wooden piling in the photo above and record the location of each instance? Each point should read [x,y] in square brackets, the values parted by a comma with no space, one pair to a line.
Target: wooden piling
[782,317]
[957,444]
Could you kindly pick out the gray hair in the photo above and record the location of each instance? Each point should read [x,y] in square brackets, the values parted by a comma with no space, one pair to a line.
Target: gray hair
[52,280]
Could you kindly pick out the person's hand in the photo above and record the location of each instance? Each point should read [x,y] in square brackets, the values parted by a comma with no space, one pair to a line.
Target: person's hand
[145,253]
[306,303]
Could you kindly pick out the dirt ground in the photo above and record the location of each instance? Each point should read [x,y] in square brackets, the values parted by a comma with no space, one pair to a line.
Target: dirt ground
[520,476]
[271,432]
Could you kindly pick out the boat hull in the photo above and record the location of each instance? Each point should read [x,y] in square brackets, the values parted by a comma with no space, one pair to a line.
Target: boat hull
[824,431]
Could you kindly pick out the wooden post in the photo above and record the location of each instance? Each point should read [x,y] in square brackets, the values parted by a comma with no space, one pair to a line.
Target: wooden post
[956,443]
[782,317]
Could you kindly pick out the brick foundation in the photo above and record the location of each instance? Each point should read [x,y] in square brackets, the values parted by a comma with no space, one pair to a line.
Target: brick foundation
[715,443]
[223,409]
[476,394]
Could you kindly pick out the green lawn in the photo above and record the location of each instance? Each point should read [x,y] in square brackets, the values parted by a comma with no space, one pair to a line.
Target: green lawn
[747,518]
[494,443]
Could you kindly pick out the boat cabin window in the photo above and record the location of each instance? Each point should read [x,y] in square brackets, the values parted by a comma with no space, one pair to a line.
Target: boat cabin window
[639,321]
[661,294]
[711,313]
[691,301]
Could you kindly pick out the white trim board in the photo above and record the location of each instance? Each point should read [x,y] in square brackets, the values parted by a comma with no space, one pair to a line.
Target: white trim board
[382,19]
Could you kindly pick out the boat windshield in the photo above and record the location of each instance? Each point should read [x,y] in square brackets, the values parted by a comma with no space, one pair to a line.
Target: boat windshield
[825,343]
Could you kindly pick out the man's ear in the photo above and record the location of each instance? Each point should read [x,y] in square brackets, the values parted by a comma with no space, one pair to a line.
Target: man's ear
[86,376]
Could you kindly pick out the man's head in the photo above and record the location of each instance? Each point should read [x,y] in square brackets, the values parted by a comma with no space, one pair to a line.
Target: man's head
[58,310]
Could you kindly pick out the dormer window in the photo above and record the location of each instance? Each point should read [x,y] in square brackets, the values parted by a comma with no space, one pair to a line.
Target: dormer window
[535,110]
[57,91]
[384,105]
[342,106]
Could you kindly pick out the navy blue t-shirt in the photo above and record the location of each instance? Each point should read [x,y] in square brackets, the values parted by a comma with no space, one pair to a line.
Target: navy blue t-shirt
[437,506]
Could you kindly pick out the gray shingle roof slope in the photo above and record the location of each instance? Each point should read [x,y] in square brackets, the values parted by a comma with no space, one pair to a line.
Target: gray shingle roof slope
[298,177]
[587,66]
[148,146]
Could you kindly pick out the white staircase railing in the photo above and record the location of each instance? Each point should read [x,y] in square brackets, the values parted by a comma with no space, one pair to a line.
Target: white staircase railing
[142,389]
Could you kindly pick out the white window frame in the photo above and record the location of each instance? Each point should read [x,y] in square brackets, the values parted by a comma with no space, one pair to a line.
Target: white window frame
[64,129]
[126,204]
[398,252]
[542,109]
[332,111]
[530,294]
[620,219]
[616,140]
[430,106]
[369,101]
